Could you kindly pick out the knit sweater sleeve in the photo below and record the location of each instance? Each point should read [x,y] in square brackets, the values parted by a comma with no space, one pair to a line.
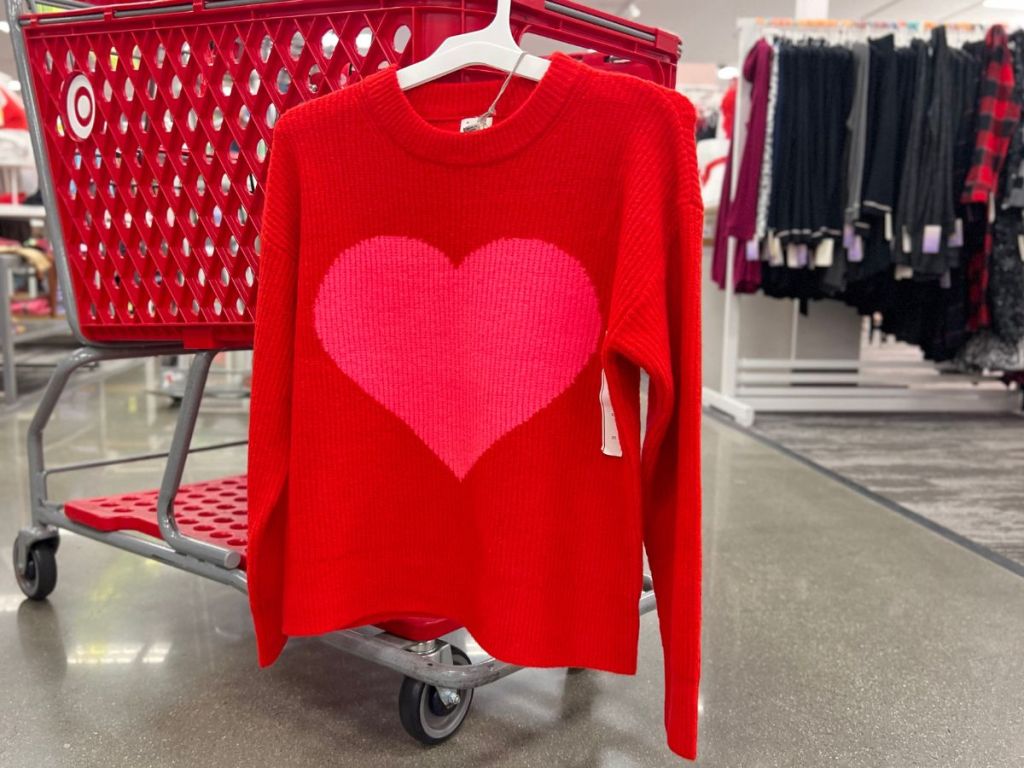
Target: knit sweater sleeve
[654,324]
[270,413]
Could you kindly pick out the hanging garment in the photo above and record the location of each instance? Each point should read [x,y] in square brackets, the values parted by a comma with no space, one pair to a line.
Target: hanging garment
[737,213]
[743,211]
[857,131]
[807,175]
[440,309]
[1013,190]
[1006,278]
[765,190]
[926,217]
[998,115]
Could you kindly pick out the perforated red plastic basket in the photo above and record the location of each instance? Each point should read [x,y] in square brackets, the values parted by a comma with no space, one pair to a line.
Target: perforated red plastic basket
[156,120]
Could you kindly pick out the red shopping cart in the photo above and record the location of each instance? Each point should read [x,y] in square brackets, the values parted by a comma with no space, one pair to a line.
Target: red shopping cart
[152,124]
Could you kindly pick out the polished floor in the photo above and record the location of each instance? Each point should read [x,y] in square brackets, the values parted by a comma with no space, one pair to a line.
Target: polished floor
[837,633]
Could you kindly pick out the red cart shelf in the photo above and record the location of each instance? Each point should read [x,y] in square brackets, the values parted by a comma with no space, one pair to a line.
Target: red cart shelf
[214,511]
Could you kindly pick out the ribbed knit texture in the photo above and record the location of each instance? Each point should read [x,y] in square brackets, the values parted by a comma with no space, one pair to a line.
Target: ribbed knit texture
[435,310]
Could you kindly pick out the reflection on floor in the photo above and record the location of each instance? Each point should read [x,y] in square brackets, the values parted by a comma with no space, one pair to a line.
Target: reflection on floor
[836,634]
[965,473]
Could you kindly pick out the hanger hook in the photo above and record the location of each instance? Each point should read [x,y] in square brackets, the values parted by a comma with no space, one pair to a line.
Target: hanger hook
[502,14]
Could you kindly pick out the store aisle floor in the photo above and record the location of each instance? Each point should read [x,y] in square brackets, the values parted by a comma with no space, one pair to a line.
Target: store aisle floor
[836,633]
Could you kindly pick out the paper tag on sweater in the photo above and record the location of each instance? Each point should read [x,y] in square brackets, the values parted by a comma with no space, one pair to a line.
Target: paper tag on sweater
[753,252]
[856,253]
[932,240]
[802,254]
[903,272]
[470,124]
[888,226]
[956,237]
[824,253]
[848,234]
[609,429]
[991,209]
[908,243]
[946,280]
[1020,246]
[775,257]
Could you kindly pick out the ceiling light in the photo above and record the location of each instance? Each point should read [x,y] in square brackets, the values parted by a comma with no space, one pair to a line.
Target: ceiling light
[633,11]
[728,73]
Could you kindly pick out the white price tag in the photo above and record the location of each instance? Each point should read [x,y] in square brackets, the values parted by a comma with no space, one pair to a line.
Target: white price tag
[753,252]
[609,429]
[824,253]
[932,240]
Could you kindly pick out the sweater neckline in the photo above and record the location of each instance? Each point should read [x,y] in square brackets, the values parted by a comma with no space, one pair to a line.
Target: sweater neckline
[396,115]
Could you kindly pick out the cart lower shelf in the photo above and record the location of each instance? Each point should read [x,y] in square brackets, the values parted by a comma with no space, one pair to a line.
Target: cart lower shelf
[214,511]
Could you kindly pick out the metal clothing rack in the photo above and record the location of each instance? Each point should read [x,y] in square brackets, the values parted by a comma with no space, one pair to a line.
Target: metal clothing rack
[817,385]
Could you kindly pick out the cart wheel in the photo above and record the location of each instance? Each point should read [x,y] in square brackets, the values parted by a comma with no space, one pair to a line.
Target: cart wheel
[425,716]
[40,574]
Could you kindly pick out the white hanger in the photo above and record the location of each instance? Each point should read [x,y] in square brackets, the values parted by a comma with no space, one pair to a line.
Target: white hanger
[493,46]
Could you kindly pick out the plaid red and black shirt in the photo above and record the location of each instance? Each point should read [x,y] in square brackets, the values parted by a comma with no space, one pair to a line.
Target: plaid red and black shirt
[998,115]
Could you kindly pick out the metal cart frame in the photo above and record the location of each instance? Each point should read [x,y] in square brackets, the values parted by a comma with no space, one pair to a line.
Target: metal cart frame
[430,662]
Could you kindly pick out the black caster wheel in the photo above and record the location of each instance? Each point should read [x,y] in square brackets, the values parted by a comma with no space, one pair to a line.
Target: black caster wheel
[425,714]
[40,575]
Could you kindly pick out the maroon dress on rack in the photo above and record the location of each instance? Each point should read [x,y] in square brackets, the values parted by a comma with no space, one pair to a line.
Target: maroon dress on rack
[737,217]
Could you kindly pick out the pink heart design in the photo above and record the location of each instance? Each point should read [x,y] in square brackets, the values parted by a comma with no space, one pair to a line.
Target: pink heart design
[462,353]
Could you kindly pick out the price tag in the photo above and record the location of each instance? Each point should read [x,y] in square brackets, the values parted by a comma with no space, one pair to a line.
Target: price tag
[824,253]
[956,238]
[932,240]
[856,253]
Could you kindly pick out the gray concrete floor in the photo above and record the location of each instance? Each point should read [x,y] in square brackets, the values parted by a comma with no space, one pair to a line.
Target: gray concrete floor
[837,633]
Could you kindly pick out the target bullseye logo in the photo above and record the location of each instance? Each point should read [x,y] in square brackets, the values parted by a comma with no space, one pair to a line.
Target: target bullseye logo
[79,106]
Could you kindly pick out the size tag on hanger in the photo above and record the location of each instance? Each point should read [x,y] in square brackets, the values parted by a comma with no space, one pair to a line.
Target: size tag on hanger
[956,238]
[856,253]
[753,252]
[610,445]
[932,240]
[470,124]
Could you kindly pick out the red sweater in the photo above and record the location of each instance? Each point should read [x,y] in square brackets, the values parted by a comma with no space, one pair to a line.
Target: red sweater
[435,312]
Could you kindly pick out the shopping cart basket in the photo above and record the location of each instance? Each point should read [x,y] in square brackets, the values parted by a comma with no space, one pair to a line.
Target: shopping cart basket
[151,124]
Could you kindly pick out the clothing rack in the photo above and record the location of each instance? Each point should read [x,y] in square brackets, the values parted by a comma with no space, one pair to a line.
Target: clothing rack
[880,383]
